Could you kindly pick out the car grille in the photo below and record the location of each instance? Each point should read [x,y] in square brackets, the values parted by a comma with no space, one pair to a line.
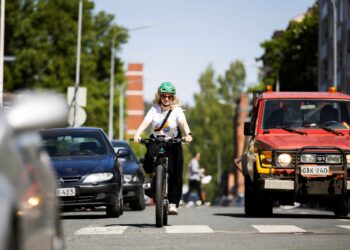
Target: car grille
[72,179]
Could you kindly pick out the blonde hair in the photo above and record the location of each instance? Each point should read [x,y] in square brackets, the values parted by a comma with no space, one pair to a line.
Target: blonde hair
[175,101]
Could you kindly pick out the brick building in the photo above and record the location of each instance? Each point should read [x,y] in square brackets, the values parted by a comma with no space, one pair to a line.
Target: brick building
[325,47]
[134,94]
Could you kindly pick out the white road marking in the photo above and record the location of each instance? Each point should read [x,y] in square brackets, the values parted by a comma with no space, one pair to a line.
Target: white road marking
[345,220]
[278,229]
[344,226]
[101,230]
[188,229]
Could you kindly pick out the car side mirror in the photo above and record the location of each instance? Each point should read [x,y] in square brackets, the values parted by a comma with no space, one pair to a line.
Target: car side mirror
[122,153]
[34,110]
[247,128]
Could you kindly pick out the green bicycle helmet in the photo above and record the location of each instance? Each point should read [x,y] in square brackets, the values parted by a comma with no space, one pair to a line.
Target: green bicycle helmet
[167,87]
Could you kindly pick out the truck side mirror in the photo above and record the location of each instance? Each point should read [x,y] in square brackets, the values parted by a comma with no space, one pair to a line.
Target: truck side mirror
[247,128]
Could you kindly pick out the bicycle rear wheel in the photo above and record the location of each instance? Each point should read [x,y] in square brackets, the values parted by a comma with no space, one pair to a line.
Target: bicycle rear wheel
[159,196]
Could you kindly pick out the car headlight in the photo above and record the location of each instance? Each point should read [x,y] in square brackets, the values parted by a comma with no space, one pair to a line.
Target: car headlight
[131,178]
[307,158]
[284,159]
[334,159]
[93,178]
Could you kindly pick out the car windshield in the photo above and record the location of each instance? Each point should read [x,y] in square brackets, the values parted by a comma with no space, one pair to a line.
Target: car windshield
[120,145]
[325,114]
[83,143]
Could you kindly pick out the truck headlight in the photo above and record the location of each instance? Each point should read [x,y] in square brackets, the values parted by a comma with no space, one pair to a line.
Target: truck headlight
[334,159]
[284,159]
[93,178]
[348,160]
[307,158]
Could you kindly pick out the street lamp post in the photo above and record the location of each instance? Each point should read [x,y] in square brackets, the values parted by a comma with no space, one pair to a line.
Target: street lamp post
[111,91]
[121,113]
[77,70]
[334,43]
[121,89]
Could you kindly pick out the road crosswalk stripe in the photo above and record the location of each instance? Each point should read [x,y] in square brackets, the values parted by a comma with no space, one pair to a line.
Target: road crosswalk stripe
[278,229]
[344,226]
[193,229]
[101,230]
[184,229]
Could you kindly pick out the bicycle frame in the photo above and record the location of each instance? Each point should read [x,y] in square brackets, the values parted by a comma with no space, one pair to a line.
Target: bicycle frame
[161,168]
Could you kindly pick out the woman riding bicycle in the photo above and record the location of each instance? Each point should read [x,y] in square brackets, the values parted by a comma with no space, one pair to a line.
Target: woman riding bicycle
[166,117]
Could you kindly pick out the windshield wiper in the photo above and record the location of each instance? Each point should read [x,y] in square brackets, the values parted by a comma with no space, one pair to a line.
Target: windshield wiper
[332,131]
[292,130]
[60,154]
[86,152]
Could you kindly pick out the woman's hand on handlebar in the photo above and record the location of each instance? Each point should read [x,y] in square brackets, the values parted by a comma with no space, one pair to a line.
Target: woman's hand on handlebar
[137,138]
[187,138]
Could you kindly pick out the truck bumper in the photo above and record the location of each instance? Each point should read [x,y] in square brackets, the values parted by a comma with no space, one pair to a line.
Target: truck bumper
[272,184]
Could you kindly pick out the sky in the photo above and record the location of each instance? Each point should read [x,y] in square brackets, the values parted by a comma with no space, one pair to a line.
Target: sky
[186,36]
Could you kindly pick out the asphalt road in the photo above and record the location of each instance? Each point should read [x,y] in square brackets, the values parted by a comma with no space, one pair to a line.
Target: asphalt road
[207,228]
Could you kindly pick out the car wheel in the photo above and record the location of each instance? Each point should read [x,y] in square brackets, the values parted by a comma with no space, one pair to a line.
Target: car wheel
[140,204]
[115,210]
[121,201]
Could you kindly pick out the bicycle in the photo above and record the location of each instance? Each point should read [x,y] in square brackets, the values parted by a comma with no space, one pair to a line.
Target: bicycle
[161,176]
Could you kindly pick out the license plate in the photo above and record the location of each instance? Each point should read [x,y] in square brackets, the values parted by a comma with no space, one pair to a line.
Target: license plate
[65,192]
[314,171]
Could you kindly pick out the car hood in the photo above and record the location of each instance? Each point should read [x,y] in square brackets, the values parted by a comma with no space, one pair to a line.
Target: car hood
[130,167]
[295,141]
[82,165]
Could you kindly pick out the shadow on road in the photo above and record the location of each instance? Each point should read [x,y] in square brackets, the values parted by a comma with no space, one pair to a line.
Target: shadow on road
[72,216]
[277,215]
[133,225]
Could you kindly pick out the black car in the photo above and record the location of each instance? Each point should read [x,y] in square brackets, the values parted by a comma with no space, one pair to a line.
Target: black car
[133,191]
[87,168]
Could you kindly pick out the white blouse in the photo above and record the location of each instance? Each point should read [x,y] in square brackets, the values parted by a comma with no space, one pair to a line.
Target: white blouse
[156,116]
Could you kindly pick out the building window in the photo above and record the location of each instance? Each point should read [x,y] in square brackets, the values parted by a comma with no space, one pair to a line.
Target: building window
[340,59]
[348,38]
[340,8]
[325,70]
[325,32]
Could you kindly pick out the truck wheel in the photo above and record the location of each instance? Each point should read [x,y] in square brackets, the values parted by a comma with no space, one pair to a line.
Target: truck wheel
[249,199]
[341,207]
[257,203]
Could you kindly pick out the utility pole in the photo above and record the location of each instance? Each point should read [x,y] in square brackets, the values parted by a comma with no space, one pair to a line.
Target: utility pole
[335,84]
[2,40]
[77,72]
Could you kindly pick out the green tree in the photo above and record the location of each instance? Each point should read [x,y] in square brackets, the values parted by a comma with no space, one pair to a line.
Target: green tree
[290,57]
[211,120]
[42,35]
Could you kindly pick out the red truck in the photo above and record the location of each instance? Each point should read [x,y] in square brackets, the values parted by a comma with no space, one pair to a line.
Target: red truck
[297,149]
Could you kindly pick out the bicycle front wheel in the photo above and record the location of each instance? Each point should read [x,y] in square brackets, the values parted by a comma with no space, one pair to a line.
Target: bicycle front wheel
[159,195]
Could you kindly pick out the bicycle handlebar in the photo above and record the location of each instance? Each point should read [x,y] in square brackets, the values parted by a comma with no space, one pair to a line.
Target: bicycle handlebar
[160,140]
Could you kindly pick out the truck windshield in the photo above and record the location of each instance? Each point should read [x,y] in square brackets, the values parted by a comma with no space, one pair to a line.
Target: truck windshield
[332,114]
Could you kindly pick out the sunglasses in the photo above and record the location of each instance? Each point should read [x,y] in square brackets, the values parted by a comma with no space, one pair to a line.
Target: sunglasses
[166,96]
